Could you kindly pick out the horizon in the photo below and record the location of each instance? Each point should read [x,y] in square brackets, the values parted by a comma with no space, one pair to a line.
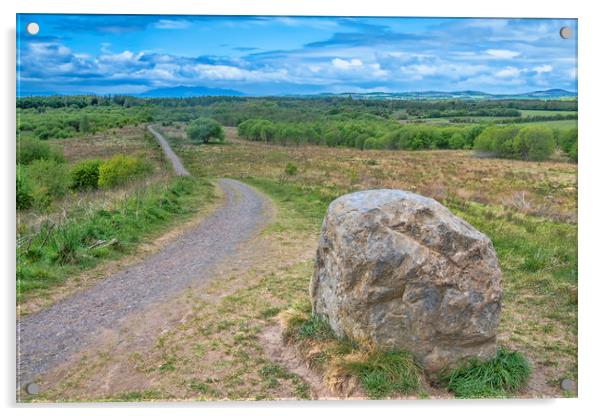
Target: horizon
[276,56]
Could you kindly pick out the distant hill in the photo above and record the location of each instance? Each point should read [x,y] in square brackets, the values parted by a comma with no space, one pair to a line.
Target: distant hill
[183,92]
[546,94]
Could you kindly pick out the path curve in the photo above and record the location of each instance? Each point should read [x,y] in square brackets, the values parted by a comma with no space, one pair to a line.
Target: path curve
[49,337]
[178,168]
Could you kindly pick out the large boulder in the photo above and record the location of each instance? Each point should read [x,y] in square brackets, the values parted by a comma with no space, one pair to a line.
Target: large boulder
[399,270]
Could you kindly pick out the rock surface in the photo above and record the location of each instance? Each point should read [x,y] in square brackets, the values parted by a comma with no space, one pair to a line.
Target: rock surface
[399,270]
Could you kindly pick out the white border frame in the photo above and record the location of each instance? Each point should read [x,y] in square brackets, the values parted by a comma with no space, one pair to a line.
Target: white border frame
[590,28]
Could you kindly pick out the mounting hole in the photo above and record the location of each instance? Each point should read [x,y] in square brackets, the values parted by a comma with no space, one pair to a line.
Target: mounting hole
[32,28]
[568,385]
[565,32]
[32,388]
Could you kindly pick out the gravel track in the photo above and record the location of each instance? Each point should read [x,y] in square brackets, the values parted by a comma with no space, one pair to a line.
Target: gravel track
[49,337]
[178,168]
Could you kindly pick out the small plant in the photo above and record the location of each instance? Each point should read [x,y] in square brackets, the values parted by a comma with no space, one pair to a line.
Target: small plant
[24,197]
[507,372]
[317,327]
[290,169]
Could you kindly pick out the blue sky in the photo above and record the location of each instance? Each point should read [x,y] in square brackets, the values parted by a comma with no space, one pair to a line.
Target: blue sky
[119,54]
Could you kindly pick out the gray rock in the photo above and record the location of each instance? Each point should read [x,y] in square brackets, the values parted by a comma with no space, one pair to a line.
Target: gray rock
[399,270]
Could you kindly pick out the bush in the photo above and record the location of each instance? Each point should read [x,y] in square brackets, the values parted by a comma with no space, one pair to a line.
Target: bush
[204,129]
[85,174]
[497,140]
[534,143]
[526,143]
[117,170]
[290,169]
[30,149]
[24,198]
[573,152]
[49,180]
[457,141]
[567,141]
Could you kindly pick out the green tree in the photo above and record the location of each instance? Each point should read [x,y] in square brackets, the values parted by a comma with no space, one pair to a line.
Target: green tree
[204,129]
[534,143]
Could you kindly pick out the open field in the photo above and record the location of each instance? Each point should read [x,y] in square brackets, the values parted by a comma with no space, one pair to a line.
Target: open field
[220,340]
[528,209]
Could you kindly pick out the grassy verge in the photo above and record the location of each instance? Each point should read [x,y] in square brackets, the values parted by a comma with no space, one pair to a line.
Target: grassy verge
[58,250]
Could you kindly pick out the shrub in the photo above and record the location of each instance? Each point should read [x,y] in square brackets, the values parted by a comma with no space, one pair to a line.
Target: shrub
[567,141]
[507,372]
[204,129]
[573,153]
[49,180]
[117,170]
[290,169]
[534,143]
[85,174]
[526,143]
[24,197]
[457,141]
[497,140]
[30,149]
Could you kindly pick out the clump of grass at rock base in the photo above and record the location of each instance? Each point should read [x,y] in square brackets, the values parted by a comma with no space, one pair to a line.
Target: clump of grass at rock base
[394,373]
[504,374]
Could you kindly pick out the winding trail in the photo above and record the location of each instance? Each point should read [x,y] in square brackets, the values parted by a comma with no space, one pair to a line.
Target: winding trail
[49,337]
[178,168]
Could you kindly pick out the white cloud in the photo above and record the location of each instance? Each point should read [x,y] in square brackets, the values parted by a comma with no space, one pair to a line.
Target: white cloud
[232,73]
[543,69]
[125,56]
[508,72]
[346,64]
[502,53]
[172,24]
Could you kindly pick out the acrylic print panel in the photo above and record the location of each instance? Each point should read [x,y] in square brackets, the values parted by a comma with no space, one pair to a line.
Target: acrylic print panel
[233,208]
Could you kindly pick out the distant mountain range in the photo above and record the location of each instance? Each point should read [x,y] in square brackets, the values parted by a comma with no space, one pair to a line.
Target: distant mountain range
[200,91]
[545,94]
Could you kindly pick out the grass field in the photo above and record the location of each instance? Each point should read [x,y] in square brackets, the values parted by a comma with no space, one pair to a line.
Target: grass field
[528,113]
[528,209]
[218,350]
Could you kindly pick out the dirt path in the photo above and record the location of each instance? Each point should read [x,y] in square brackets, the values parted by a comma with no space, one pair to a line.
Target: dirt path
[49,337]
[178,168]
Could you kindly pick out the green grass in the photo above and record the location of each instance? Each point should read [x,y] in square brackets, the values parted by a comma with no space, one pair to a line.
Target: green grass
[316,327]
[306,205]
[506,373]
[383,374]
[526,113]
[555,124]
[56,251]
[537,255]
